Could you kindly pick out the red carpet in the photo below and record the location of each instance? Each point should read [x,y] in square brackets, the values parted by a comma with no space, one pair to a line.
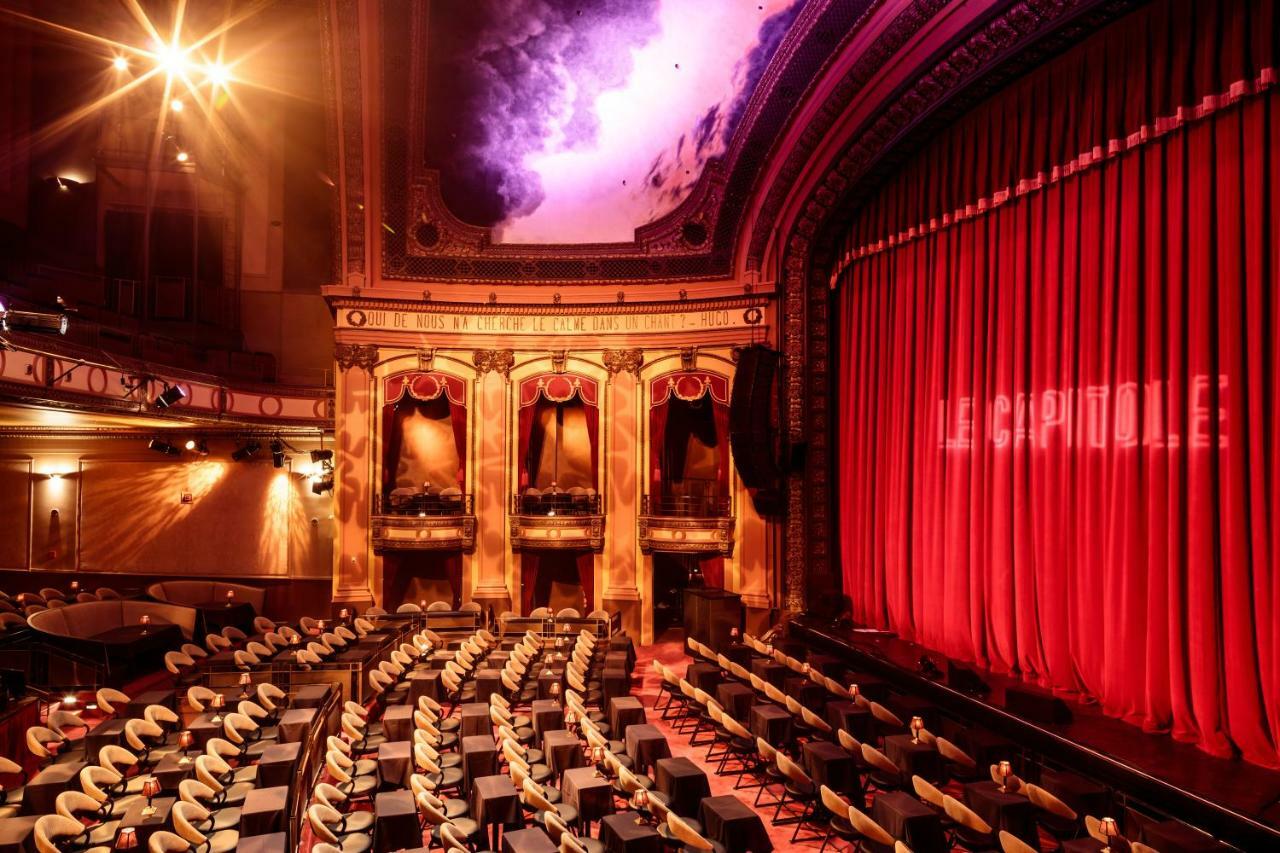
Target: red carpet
[670,652]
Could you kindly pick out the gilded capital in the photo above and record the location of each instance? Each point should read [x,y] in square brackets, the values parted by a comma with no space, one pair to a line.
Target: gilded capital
[364,356]
[500,360]
[618,360]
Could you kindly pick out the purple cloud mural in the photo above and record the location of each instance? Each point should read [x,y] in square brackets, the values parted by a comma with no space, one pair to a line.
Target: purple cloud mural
[572,122]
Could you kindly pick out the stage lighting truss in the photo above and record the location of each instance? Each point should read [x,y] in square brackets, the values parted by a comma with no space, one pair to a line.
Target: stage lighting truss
[169,396]
[40,322]
[159,445]
[246,451]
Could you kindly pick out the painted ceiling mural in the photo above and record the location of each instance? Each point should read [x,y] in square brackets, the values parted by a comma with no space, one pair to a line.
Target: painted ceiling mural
[575,121]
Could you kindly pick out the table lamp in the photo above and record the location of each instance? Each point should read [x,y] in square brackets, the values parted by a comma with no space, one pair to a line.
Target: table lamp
[853,691]
[1005,769]
[805,667]
[597,758]
[245,682]
[342,614]
[217,704]
[733,634]
[127,839]
[150,787]
[185,739]
[75,586]
[917,726]
[145,620]
[768,649]
[570,718]
[1109,829]
[231,597]
[640,802]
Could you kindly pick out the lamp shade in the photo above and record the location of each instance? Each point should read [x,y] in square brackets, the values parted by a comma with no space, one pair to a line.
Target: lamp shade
[127,839]
[150,787]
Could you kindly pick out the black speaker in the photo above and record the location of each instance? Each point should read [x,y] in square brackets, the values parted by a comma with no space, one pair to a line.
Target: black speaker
[751,418]
[1038,706]
[964,679]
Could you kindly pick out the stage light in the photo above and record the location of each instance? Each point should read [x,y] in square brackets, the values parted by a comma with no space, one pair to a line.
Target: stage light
[171,58]
[277,453]
[182,157]
[32,321]
[169,396]
[176,105]
[198,446]
[319,456]
[323,484]
[217,74]
[161,446]
[120,63]
[247,451]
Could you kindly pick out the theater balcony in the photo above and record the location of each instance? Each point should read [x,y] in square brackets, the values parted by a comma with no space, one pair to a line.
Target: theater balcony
[557,520]
[685,525]
[423,522]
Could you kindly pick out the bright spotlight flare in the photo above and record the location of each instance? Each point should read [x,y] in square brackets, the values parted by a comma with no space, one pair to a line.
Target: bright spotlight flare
[171,59]
[44,322]
[217,74]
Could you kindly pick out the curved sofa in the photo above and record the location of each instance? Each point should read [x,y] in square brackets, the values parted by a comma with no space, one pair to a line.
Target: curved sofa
[195,593]
[86,621]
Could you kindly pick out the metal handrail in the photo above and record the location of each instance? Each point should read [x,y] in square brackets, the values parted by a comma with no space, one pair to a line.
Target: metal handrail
[423,505]
[557,503]
[682,506]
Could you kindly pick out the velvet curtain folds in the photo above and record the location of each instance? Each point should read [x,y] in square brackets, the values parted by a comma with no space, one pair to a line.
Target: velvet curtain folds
[1058,445]
[538,569]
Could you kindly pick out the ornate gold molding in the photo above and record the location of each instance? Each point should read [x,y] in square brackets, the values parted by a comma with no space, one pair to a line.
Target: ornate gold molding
[685,535]
[618,360]
[363,356]
[500,360]
[410,533]
[688,358]
[558,359]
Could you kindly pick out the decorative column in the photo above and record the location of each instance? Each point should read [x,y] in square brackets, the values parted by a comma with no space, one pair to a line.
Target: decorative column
[353,438]
[490,492]
[623,494]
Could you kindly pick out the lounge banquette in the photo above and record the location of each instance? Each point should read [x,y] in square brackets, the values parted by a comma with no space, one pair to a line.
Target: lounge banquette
[192,593]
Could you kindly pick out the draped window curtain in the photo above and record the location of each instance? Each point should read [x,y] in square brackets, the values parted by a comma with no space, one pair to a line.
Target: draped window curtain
[1058,450]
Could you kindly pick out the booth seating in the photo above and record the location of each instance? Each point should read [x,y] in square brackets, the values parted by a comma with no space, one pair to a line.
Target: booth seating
[124,636]
[205,593]
[93,619]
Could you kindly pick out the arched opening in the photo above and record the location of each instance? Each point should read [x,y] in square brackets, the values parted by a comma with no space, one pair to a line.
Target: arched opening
[424,428]
[557,462]
[688,445]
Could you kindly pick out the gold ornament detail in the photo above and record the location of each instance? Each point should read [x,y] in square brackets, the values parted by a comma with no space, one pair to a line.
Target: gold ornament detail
[499,360]
[363,356]
[618,360]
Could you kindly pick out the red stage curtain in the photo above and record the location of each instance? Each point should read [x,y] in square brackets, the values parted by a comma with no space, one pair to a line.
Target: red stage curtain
[713,571]
[458,417]
[528,579]
[593,436]
[530,569]
[657,447]
[721,414]
[1058,445]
